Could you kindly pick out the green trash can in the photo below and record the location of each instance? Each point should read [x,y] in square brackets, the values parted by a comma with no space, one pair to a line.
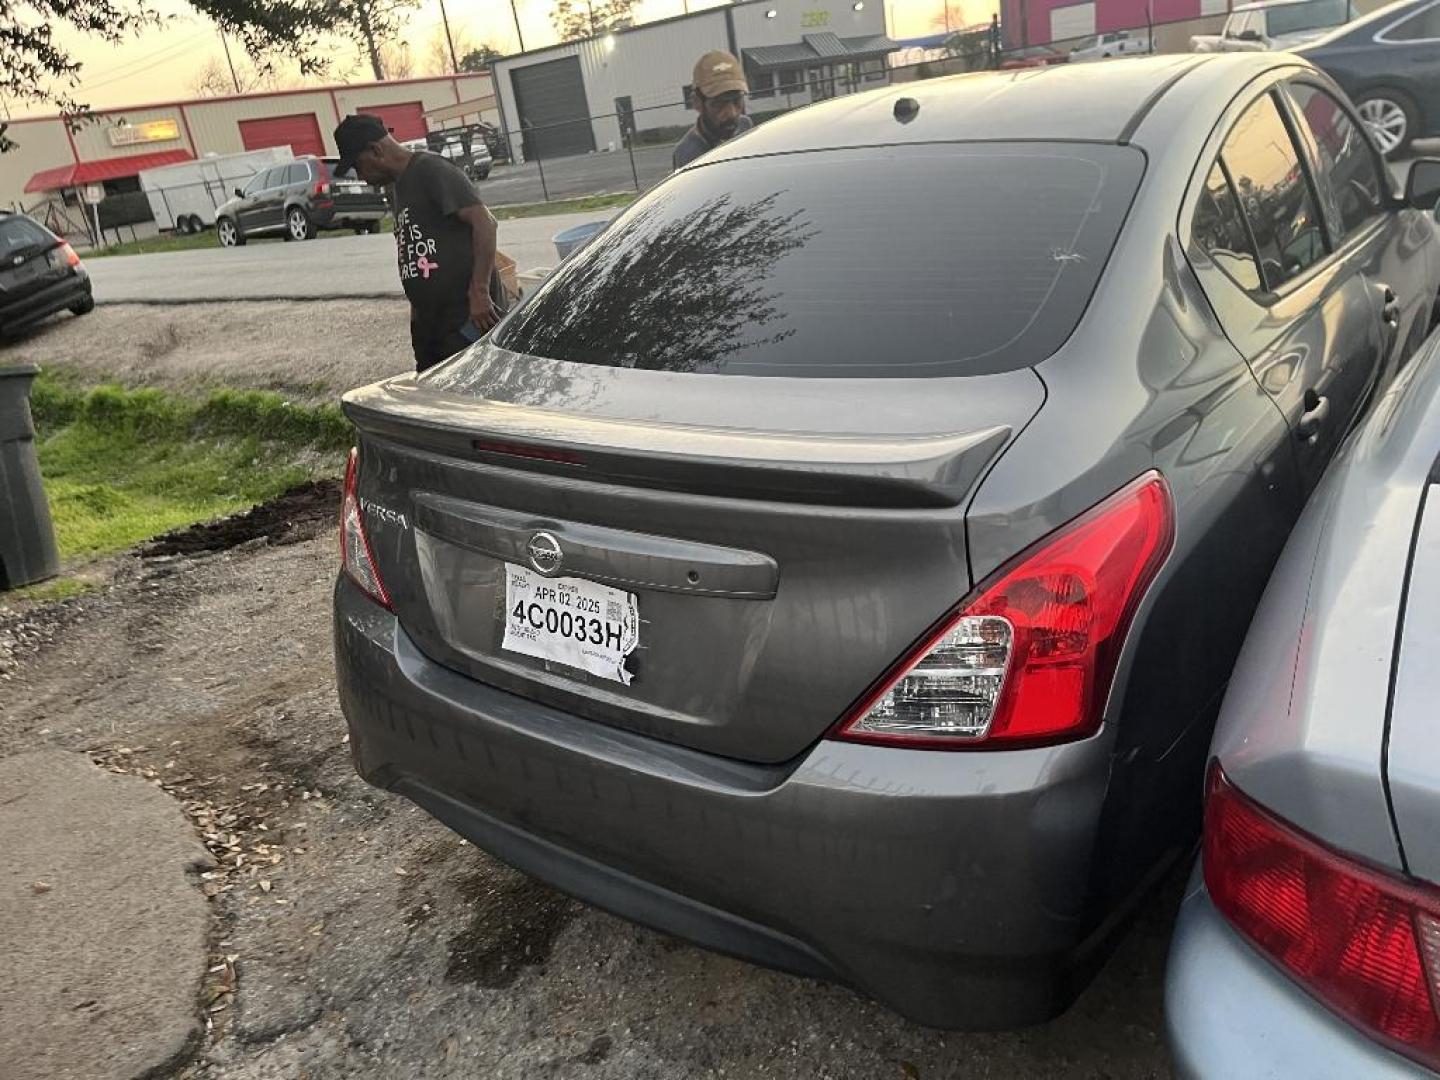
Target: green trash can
[27,537]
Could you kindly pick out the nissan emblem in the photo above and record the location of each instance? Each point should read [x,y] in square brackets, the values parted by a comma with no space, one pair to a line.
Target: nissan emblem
[545,554]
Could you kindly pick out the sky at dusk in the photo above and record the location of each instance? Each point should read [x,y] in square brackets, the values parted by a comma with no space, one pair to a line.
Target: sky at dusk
[163,64]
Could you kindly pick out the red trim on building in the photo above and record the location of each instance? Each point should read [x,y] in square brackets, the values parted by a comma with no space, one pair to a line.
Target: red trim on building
[360,87]
[95,172]
[189,137]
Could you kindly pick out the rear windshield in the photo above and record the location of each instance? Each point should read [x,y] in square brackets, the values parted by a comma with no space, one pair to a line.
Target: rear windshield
[932,260]
[20,233]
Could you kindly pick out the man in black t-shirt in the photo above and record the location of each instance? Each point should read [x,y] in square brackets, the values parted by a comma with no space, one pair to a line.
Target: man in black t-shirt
[444,238]
[718,94]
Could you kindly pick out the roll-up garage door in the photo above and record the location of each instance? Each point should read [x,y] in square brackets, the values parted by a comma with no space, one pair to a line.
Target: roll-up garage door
[554,117]
[406,119]
[300,132]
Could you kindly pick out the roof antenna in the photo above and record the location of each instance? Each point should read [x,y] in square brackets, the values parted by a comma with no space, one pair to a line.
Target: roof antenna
[906,109]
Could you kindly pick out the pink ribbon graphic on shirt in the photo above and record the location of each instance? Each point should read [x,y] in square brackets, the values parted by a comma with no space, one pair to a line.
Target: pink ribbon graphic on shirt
[425,266]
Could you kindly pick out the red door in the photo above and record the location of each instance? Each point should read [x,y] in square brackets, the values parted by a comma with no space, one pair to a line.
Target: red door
[406,120]
[300,132]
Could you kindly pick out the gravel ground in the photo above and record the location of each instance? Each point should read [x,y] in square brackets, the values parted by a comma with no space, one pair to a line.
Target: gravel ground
[357,938]
[311,349]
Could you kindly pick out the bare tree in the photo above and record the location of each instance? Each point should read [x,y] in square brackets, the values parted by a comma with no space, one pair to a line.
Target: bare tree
[576,19]
[395,60]
[437,50]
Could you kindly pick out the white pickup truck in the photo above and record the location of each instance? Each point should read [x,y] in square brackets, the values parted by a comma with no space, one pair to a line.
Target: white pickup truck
[1275,25]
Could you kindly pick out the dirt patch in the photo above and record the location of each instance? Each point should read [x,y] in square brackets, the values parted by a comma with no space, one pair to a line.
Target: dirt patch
[310,351]
[302,513]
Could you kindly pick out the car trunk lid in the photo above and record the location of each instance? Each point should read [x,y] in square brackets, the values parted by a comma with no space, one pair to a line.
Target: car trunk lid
[776,567]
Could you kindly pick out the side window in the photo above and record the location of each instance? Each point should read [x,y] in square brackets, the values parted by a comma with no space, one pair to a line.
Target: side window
[256,182]
[1349,180]
[1274,194]
[1422,26]
[299,173]
[1219,231]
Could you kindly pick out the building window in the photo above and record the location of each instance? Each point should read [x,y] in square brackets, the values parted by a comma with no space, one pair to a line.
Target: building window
[762,85]
[792,81]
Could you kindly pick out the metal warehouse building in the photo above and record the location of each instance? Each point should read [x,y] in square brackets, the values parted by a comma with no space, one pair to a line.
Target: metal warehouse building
[590,95]
[115,144]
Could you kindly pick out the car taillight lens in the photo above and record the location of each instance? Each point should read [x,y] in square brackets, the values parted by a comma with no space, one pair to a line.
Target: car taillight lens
[1029,657]
[1364,942]
[64,255]
[355,553]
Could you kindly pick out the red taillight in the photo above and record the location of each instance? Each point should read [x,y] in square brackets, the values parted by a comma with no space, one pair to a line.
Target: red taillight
[1029,657]
[69,254]
[355,554]
[322,188]
[1364,942]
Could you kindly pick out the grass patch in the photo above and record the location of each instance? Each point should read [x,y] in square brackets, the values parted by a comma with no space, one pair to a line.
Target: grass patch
[562,206]
[122,466]
[61,588]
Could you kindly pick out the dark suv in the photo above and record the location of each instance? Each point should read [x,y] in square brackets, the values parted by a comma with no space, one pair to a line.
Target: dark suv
[40,274]
[297,200]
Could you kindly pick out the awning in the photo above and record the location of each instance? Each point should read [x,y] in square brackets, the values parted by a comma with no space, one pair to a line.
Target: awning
[473,107]
[96,172]
[817,49]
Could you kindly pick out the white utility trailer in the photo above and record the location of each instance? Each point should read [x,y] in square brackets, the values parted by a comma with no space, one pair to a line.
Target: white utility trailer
[184,197]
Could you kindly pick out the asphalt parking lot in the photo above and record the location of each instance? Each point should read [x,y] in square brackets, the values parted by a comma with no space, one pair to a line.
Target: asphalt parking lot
[586,174]
[345,266]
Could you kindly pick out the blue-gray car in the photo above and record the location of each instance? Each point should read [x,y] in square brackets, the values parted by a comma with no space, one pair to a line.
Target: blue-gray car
[839,560]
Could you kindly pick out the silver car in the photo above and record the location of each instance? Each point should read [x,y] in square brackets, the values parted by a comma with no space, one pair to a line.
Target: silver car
[1309,942]
[840,559]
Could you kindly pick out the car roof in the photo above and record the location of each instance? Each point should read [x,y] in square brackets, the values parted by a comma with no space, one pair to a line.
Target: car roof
[1086,102]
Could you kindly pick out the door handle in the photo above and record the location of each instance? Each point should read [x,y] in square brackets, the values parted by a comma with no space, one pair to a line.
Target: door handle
[1317,409]
[1390,311]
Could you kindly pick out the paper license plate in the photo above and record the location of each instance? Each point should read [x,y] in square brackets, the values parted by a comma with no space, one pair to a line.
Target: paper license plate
[570,621]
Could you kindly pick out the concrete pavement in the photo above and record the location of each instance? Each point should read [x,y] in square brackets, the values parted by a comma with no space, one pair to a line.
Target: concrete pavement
[102,934]
[336,268]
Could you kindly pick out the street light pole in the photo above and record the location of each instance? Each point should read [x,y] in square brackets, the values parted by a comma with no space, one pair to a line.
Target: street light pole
[444,18]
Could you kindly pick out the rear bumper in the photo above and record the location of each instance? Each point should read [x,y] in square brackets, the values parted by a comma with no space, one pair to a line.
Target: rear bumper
[54,297]
[948,886]
[340,216]
[1230,1012]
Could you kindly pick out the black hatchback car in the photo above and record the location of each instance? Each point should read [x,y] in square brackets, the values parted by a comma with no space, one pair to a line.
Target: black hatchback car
[1389,64]
[40,274]
[297,200]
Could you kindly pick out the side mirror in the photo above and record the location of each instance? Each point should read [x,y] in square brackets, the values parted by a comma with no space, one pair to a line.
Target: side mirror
[239,193]
[1422,186]
[1249,35]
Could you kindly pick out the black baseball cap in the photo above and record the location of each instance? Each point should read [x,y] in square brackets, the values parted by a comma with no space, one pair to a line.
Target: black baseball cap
[353,135]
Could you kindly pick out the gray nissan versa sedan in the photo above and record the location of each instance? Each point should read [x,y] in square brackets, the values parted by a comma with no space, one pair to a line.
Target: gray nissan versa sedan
[839,561]
[1310,944]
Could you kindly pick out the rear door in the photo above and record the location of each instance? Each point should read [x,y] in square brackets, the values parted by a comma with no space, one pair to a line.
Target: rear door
[1355,189]
[1303,314]
[253,209]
